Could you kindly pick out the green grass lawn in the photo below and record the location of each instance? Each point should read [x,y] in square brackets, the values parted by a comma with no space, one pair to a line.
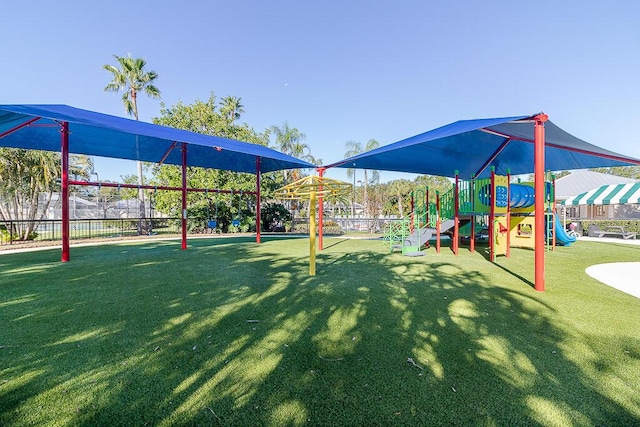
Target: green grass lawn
[234,333]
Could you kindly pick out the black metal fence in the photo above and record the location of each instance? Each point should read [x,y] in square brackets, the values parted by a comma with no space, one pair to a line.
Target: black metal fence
[346,225]
[51,229]
[81,229]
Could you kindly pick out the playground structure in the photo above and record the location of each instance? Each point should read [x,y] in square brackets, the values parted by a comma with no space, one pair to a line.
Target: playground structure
[491,209]
[314,187]
[503,142]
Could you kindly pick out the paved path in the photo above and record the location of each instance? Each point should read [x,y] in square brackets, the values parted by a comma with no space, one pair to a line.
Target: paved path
[624,276]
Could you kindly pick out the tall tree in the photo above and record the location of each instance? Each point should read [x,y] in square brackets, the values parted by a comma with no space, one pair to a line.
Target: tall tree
[372,144]
[80,167]
[205,117]
[353,149]
[28,179]
[398,189]
[289,140]
[435,183]
[625,171]
[231,107]
[132,78]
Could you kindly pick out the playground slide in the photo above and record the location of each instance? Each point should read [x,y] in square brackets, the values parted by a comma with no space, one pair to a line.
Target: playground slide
[413,244]
[419,237]
[447,225]
[561,235]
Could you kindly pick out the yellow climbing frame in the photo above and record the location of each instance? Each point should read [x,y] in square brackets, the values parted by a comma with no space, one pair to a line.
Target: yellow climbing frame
[313,187]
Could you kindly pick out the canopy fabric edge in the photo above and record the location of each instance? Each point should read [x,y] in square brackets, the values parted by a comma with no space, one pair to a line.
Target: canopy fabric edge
[95,129]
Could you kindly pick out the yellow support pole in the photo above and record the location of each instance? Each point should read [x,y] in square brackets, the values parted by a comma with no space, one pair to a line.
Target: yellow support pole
[312,233]
[312,187]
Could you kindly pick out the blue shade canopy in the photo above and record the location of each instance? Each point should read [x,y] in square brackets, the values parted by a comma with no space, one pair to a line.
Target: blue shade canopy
[473,146]
[97,134]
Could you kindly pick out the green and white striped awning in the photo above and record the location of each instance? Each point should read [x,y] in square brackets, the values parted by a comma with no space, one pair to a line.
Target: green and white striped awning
[613,194]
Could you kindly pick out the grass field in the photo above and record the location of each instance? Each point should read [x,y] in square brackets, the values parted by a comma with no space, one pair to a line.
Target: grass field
[234,333]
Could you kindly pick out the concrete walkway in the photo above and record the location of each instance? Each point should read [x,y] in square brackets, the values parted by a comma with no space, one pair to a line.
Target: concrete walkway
[624,276]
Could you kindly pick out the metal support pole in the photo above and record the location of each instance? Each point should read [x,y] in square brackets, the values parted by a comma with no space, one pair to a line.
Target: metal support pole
[312,233]
[184,195]
[320,212]
[472,237]
[508,254]
[258,215]
[456,215]
[65,190]
[538,166]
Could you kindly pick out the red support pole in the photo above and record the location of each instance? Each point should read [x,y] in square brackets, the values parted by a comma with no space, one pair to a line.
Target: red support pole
[320,212]
[554,213]
[258,216]
[65,190]
[472,237]
[508,254]
[538,166]
[456,215]
[184,195]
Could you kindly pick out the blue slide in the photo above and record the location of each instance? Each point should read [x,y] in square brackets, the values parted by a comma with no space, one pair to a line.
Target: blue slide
[561,235]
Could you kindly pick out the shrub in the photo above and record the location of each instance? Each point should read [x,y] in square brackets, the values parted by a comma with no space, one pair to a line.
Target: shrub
[274,216]
[629,224]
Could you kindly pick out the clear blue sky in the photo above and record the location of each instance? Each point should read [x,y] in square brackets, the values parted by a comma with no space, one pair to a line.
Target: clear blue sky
[340,70]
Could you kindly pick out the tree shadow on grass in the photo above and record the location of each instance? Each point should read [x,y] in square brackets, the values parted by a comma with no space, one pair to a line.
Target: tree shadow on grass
[230,332]
[501,261]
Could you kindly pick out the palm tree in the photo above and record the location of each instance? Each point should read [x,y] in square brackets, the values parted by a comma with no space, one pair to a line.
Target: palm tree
[372,144]
[289,141]
[231,108]
[302,151]
[133,78]
[353,149]
[81,166]
[398,189]
[287,138]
